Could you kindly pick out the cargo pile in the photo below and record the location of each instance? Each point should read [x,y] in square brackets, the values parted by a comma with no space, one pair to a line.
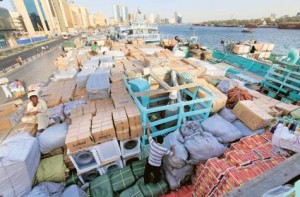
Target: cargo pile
[224,134]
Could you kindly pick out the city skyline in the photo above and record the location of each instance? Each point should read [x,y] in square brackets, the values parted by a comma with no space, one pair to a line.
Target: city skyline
[194,11]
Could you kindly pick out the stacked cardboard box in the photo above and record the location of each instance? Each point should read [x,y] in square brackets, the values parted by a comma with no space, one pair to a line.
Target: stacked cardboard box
[244,161]
[134,119]
[121,124]
[121,99]
[25,127]
[252,115]
[103,129]
[80,93]
[77,111]
[89,108]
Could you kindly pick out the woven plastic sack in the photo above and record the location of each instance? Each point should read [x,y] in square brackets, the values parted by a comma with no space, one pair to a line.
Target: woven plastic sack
[47,189]
[284,139]
[221,129]
[190,128]
[133,191]
[245,130]
[101,186]
[74,191]
[52,138]
[227,115]
[173,139]
[56,114]
[51,169]
[73,104]
[138,168]
[203,146]
[177,177]
[152,189]
[121,179]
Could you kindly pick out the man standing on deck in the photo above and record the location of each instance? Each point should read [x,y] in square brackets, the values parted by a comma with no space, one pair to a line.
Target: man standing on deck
[157,151]
[36,112]
[108,42]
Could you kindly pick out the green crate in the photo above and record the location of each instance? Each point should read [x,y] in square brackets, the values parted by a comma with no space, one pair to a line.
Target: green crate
[271,94]
[285,100]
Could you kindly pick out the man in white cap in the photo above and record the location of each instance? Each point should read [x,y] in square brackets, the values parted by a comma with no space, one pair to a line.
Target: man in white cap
[37,112]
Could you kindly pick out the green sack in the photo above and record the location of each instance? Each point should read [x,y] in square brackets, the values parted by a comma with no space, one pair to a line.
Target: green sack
[51,169]
[73,179]
[101,186]
[138,168]
[133,191]
[121,179]
[296,114]
[153,190]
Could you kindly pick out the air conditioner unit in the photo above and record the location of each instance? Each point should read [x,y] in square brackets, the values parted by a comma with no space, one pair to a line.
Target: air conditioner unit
[108,151]
[87,176]
[84,159]
[129,160]
[130,147]
[112,166]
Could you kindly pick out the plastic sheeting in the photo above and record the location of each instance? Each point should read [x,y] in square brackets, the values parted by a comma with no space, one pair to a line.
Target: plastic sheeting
[98,85]
[224,86]
[56,114]
[221,128]
[227,115]
[245,130]
[19,160]
[52,138]
[284,139]
[47,189]
[203,146]
[83,76]
[116,54]
[69,74]
[73,104]
[74,191]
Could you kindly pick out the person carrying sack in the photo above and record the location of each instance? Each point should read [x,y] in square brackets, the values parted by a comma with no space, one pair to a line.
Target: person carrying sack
[157,151]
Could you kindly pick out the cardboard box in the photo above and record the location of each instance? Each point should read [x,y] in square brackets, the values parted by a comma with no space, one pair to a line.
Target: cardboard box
[102,116]
[250,114]
[53,101]
[136,130]
[286,108]
[78,140]
[5,123]
[234,177]
[133,115]
[26,127]
[89,110]
[123,135]
[8,110]
[120,120]
[103,131]
[218,166]
[237,158]
[209,178]
[267,136]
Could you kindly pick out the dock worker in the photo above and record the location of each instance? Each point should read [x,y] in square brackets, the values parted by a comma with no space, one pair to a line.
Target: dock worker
[157,151]
[36,112]
[94,48]
[108,42]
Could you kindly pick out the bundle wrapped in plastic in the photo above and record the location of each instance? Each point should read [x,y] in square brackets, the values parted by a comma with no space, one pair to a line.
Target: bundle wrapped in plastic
[74,191]
[223,130]
[19,160]
[36,87]
[46,189]
[115,54]
[73,104]
[56,114]
[202,146]
[283,138]
[83,76]
[98,85]
[69,74]
[52,138]
[224,86]
[91,64]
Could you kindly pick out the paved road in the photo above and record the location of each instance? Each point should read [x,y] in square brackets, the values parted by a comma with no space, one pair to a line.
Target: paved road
[9,61]
[39,70]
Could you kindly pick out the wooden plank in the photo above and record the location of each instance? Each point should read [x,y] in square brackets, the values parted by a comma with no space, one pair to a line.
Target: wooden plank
[277,176]
[160,81]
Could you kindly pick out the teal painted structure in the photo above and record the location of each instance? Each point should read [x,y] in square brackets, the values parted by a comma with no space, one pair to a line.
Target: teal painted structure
[192,108]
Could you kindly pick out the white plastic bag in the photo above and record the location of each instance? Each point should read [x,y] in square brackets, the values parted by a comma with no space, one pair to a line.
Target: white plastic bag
[284,139]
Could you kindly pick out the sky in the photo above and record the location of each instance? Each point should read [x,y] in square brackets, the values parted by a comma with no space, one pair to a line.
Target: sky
[195,10]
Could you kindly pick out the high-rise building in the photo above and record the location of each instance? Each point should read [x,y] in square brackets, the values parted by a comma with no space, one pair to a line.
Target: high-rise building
[157,18]
[175,16]
[117,12]
[6,27]
[37,16]
[80,16]
[179,19]
[133,17]
[151,18]
[124,14]
[18,21]
[99,19]
[61,11]
[120,13]
[298,15]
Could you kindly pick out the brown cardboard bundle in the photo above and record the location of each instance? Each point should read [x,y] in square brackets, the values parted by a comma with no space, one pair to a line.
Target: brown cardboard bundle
[133,115]
[252,115]
[103,131]
[75,112]
[7,110]
[80,92]
[78,139]
[286,108]
[89,109]
[53,100]
[136,130]
[102,116]
[25,127]
[3,134]
[123,135]
[120,120]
